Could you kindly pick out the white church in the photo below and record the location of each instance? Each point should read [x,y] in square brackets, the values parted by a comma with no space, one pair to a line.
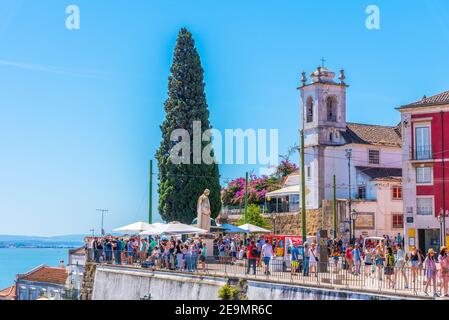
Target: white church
[365,159]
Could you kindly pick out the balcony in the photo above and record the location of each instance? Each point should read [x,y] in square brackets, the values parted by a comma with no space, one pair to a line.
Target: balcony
[421,154]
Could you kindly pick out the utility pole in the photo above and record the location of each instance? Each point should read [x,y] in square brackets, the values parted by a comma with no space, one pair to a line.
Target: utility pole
[334,207]
[301,156]
[246,197]
[348,155]
[103,211]
[444,181]
[303,189]
[150,206]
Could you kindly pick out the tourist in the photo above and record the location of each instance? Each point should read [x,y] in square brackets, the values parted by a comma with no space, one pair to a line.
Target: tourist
[117,248]
[252,256]
[415,264]
[313,259]
[443,259]
[108,251]
[335,254]
[306,259]
[153,244]
[389,266]
[96,250]
[203,256]
[135,246]
[430,272]
[143,249]
[368,261]
[156,254]
[233,249]
[242,253]
[267,253]
[171,253]
[294,259]
[348,258]
[379,260]
[188,256]
[130,250]
[195,252]
[179,255]
[357,259]
[401,261]
[221,252]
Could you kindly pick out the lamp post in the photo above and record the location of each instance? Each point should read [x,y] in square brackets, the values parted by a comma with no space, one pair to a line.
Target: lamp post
[442,231]
[348,156]
[354,215]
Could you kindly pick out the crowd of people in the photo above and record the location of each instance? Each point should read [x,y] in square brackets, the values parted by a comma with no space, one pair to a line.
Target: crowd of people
[382,260]
[158,252]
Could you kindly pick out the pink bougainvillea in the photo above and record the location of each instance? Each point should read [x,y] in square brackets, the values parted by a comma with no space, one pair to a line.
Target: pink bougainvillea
[258,187]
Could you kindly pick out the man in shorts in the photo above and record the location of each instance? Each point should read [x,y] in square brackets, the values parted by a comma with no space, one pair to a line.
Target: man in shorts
[267,253]
[294,258]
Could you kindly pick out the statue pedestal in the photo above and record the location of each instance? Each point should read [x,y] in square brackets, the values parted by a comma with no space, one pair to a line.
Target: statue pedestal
[209,248]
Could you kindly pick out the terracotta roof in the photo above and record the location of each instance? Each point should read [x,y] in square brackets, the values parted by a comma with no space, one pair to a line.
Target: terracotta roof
[45,274]
[8,293]
[382,173]
[372,134]
[441,98]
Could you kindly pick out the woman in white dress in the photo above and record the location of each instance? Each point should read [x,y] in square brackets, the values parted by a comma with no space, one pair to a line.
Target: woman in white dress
[313,259]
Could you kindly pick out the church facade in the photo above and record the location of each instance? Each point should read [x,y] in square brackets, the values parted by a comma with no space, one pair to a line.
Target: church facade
[365,159]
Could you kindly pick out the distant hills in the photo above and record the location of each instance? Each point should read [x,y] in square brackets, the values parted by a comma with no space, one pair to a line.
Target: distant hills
[63,241]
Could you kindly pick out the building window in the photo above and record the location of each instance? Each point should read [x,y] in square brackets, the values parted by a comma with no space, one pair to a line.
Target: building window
[396,193]
[331,107]
[423,151]
[330,137]
[309,172]
[424,206]
[309,108]
[362,192]
[424,175]
[374,156]
[398,221]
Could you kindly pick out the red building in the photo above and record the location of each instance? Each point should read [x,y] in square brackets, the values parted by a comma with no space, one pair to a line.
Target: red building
[425,169]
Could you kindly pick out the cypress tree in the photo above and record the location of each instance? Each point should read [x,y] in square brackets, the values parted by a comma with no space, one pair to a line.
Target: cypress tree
[180,185]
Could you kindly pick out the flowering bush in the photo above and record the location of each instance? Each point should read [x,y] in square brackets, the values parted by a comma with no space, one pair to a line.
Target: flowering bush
[286,168]
[258,187]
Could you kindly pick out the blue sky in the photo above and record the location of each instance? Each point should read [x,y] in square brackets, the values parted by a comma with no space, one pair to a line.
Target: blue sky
[80,110]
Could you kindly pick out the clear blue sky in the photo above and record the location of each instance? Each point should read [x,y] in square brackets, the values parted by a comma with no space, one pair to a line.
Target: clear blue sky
[80,110]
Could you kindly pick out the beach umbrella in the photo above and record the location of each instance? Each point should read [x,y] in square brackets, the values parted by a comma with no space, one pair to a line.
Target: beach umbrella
[229,228]
[135,227]
[253,229]
[173,228]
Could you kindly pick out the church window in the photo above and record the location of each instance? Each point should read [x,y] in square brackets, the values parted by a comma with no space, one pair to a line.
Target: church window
[331,107]
[309,107]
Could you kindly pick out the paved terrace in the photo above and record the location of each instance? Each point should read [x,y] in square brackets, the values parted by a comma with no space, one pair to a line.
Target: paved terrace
[333,278]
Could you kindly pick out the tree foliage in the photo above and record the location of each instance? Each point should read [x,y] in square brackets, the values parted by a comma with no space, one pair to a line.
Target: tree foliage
[254,217]
[180,185]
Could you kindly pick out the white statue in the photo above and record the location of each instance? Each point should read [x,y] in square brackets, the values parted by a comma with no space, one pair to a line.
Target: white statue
[203,211]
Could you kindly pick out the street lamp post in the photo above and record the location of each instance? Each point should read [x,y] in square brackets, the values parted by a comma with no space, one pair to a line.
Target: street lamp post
[442,231]
[103,211]
[348,156]
[354,215]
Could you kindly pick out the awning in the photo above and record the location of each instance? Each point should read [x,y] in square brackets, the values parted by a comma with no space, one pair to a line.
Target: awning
[284,191]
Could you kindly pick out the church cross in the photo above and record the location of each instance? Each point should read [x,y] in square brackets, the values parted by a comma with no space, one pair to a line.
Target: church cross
[322,62]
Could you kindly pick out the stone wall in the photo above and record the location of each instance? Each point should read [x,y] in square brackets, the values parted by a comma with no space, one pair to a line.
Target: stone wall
[121,283]
[88,281]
